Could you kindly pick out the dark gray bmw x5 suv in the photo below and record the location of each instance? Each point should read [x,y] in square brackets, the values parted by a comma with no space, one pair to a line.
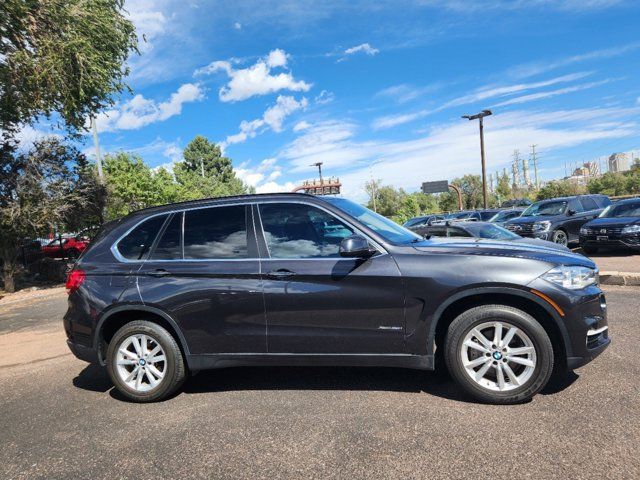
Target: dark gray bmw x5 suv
[291,279]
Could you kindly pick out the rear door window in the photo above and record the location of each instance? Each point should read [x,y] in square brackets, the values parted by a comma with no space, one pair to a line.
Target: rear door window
[137,243]
[588,203]
[575,205]
[216,233]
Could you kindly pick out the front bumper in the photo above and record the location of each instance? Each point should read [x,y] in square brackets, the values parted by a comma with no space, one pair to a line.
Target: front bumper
[626,241]
[584,325]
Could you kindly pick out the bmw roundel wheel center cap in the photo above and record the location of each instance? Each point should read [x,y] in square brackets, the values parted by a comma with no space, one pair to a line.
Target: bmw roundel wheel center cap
[497,355]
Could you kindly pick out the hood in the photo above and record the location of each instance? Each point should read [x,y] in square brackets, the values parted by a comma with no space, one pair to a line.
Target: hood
[613,221]
[538,242]
[517,249]
[532,219]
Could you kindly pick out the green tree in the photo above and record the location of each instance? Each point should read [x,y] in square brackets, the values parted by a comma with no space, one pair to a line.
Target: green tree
[503,188]
[60,56]
[39,190]
[204,172]
[560,188]
[611,183]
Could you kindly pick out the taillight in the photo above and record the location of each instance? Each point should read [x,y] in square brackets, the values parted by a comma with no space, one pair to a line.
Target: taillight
[74,280]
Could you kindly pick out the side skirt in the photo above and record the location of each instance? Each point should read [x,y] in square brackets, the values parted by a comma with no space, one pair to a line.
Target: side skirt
[223,360]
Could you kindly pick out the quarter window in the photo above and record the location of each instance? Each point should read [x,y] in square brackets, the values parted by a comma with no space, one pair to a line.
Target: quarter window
[169,248]
[301,231]
[214,233]
[137,243]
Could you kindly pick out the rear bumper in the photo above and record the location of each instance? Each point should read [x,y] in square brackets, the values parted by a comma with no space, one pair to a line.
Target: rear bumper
[83,352]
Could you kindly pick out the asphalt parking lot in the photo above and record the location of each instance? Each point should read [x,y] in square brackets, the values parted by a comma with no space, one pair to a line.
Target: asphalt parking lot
[60,418]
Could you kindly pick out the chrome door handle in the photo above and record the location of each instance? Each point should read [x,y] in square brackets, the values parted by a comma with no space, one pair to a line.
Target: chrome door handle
[280,273]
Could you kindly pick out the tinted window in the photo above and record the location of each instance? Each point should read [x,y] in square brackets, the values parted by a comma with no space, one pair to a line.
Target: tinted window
[627,209]
[437,232]
[556,207]
[457,232]
[168,247]
[137,243]
[602,201]
[485,216]
[588,203]
[575,205]
[490,231]
[219,232]
[301,231]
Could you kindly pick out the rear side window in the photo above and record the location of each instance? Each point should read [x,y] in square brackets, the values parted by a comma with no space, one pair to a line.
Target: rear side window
[137,243]
[588,203]
[575,205]
[169,247]
[216,233]
[457,232]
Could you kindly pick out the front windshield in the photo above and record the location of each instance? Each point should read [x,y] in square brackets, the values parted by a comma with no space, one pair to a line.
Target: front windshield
[457,215]
[546,209]
[493,232]
[379,224]
[631,209]
[504,215]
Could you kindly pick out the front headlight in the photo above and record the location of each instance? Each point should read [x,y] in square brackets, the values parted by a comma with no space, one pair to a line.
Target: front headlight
[584,231]
[572,277]
[542,226]
[631,229]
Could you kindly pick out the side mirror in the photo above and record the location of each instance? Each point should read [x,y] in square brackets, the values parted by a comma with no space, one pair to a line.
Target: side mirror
[571,212]
[355,246]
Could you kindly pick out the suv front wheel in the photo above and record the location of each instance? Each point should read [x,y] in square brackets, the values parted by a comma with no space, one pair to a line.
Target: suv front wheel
[560,237]
[144,362]
[499,354]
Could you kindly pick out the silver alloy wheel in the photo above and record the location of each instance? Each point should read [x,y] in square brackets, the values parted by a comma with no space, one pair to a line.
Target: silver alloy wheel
[141,362]
[498,356]
[560,238]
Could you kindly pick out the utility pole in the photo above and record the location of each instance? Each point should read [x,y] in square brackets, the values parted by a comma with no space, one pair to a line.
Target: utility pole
[515,166]
[525,172]
[96,144]
[480,116]
[534,158]
[319,165]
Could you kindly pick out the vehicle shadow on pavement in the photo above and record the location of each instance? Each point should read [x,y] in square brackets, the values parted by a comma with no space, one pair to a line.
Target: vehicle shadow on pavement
[94,378]
[325,378]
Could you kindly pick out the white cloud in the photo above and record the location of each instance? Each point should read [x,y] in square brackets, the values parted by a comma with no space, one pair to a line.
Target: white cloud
[452,149]
[303,125]
[482,94]
[535,68]
[553,93]
[272,119]
[263,178]
[403,93]
[255,80]
[324,97]
[237,26]
[140,111]
[364,48]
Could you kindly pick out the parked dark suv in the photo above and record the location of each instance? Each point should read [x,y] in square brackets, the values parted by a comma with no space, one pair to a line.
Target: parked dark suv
[558,219]
[617,226]
[293,279]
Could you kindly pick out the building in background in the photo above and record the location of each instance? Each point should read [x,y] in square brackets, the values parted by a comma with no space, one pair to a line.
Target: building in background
[618,162]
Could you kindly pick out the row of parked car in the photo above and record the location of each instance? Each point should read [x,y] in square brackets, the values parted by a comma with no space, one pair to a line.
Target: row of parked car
[591,221]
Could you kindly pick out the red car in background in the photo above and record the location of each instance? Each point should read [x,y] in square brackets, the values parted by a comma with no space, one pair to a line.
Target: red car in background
[70,247]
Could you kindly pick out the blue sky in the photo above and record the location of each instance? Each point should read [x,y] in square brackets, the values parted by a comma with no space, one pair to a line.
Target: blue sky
[376,89]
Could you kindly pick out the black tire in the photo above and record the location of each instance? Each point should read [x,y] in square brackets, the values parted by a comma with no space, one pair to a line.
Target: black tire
[590,250]
[468,320]
[174,370]
[73,254]
[560,237]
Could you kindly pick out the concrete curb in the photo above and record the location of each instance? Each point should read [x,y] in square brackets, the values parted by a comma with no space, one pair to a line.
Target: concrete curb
[620,278]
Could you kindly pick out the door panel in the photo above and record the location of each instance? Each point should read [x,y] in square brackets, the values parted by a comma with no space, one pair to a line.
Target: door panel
[217,304]
[318,302]
[208,280]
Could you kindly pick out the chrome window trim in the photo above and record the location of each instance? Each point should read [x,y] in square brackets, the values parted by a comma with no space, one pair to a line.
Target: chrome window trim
[120,258]
[114,247]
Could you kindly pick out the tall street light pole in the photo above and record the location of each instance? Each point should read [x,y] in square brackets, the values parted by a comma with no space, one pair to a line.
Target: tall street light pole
[319,165]
[480,116]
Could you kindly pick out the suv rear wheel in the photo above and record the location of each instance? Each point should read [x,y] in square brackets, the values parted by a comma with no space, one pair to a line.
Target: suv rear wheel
[144,362]
[499,354]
